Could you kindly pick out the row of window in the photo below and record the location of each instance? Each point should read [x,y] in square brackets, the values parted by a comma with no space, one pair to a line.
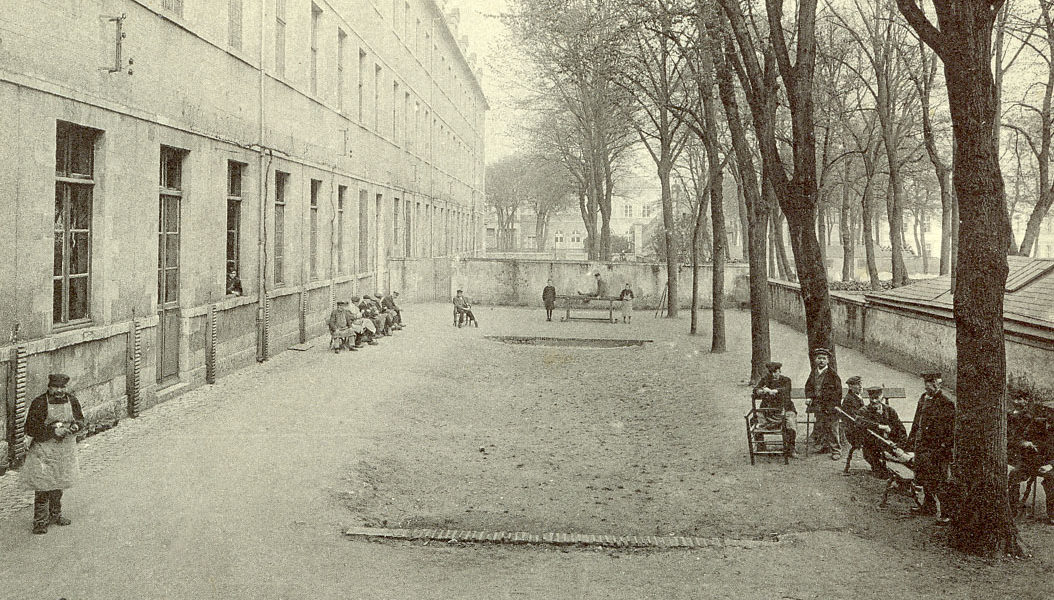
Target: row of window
[75,186]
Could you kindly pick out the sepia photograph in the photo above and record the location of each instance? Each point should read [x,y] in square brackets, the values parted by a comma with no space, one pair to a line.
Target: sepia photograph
[526,299]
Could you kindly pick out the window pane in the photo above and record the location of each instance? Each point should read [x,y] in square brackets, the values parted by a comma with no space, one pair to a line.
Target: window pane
[56,302]
[61,147]
[60,195]
[172,214]
[234,179]
[80,207]
[82,148]
[160,286]
[78,297]
[232,247]
[172,250]
[80,253]
[59,237]
[171,285]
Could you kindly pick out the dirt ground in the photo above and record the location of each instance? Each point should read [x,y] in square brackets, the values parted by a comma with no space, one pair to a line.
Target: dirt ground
[244,489]
[644,441]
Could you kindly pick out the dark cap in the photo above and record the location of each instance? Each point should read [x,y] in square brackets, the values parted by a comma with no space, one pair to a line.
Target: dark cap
[355,299]
[931,376]
[821,351]
[854,380]
[772,365]
[395,293]
[874,391]
[340,302]
[597,273]
[460,291]
[58,380]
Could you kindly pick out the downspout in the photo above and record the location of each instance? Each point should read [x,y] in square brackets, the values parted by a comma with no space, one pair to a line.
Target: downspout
[261,237]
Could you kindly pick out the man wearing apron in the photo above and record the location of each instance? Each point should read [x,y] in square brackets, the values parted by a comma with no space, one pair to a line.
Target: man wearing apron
[53,421]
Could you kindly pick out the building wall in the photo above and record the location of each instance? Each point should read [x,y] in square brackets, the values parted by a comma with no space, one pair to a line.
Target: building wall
[911,340]
[194,77]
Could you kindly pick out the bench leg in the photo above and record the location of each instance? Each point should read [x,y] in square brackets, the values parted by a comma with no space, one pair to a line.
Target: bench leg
[750,442]
[849,459]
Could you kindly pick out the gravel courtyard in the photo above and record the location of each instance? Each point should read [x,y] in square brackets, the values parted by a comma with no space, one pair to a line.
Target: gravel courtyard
[244,489]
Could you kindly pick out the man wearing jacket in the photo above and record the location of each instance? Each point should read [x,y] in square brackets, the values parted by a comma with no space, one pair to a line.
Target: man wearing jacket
[823,393]
[931,439]
[777,408]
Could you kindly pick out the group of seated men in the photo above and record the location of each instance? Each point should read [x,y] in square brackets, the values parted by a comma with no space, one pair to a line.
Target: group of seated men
[360,322]
[1030,452]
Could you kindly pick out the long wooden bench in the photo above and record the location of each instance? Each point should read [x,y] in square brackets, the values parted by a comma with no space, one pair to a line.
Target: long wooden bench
[569,300]
[765,441]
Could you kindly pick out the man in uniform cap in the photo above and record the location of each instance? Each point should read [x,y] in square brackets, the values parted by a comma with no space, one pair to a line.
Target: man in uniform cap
[341,327]
[852,404]
[777,408]
[53,421]
[879,417]
[823,393]
[931,439]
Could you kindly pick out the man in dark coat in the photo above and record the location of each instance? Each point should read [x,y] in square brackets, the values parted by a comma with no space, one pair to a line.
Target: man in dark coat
[777,408]
[880,418]
[1030,451]
[393,309]
[53,421]
[853,404]
[823,393]
[931,439]
[549,299]
[341,327]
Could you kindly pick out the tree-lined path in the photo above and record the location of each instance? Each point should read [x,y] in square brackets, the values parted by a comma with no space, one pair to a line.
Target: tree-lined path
[243,489]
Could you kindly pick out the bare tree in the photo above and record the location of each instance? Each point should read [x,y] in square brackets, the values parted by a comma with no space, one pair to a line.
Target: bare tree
[982,523]
[505,194]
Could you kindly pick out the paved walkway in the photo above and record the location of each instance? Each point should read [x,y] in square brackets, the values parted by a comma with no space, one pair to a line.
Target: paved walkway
[236,491]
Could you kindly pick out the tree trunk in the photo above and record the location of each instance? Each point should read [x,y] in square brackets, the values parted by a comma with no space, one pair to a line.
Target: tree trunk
[744,219]
[895,216]
[697,227]
[867,214]
[821,227]
[982,520]
[786,272]
[717,214]
[845,229]
[672,252]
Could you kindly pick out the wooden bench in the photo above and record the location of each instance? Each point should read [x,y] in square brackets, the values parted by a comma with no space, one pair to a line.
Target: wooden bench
[569,300]
[760,439]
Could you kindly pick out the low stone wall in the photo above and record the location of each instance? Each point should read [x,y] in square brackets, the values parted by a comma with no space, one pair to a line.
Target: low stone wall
[520,282]
[911,340]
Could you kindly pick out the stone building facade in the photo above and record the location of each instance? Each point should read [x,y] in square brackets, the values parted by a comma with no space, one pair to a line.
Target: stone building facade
[153,146]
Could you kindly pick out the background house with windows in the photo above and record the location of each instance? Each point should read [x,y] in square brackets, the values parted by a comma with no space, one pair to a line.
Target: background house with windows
[315,149]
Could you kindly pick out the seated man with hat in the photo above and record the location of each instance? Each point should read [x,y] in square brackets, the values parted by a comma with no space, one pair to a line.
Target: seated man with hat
[369,328]
[880,418]
[342,327]
[53,421]
[777,408]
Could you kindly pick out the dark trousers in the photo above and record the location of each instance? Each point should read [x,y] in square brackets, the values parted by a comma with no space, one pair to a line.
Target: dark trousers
[47,507]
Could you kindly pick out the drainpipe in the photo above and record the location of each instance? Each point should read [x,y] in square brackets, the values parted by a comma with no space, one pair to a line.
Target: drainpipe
[261,236]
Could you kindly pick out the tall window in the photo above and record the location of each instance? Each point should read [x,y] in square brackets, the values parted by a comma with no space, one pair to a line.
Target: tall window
[395,227]
[74,184]
[362,83]
[171,197]
[316,16]
[378,208]
[395,111]
[342,192]
[234,23]
[173,6]
[406,23]
[409,232]
[364,229]
[559,237]
[279,37]
[627,210]
[377,98]
[407,115]
[342,42]
[281,183]
[235,171]
[395,16]
[316,186]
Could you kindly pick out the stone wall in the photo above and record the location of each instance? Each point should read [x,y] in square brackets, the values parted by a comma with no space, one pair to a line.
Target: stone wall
[911,340]
[520,282]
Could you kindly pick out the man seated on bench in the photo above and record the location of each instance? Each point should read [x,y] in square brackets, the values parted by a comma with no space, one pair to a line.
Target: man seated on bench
[879,417]
[369,328]
[342,328]
[463,310]
[1030,450]
[388,302]
[777,409]
[602,288]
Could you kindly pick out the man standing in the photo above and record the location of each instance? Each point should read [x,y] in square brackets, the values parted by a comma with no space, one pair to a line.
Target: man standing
[51,466]
[823,393]
[931,439]
[777,408]
[549,299]
[627,303]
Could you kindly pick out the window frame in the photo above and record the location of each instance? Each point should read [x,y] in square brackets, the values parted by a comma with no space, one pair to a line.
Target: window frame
[235,198]
[66,181]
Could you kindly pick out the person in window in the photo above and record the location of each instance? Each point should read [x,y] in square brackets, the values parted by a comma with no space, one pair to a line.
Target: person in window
[234,283]
[549,299]
[464,310]
[627,303]
[51,466]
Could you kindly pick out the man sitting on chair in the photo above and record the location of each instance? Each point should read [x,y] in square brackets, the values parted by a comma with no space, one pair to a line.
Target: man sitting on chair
[777,409]
[342,328]
[879,417]
[464,310]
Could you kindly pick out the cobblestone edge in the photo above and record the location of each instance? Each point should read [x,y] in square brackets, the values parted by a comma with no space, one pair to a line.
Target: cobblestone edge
[556,539]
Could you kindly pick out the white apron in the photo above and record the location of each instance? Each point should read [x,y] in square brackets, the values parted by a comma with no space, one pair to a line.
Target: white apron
[52,464]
